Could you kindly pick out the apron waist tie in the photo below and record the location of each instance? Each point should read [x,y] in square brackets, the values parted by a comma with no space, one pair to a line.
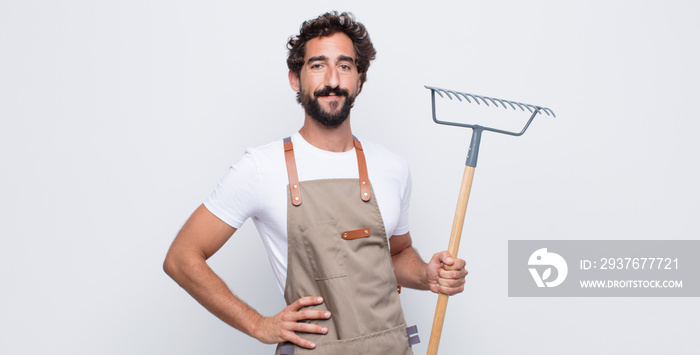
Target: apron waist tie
[410,331]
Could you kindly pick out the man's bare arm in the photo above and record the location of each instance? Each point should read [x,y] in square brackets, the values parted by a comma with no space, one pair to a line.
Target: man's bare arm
[443,274]
[203,235]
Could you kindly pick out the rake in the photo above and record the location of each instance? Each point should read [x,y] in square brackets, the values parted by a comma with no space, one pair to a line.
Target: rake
[468,177]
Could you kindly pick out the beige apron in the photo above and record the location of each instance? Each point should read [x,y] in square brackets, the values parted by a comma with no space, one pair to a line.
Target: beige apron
[338,250]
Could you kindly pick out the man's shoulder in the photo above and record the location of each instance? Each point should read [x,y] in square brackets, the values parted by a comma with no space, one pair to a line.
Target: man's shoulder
[267,148]
[266,152]
[262,159]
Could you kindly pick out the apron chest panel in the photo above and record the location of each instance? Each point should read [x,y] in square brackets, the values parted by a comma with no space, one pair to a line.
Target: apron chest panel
[354,275]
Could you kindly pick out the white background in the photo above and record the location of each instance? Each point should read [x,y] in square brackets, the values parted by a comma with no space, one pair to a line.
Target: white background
[117,118]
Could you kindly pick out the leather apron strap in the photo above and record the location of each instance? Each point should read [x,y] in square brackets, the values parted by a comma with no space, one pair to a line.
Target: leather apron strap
[362,166]
[295,191]
[292,172]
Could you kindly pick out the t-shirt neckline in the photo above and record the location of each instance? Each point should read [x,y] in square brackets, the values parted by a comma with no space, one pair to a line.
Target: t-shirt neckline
[297,138]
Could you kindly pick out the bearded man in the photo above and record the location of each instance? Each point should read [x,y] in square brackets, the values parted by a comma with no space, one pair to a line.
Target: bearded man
[332,212]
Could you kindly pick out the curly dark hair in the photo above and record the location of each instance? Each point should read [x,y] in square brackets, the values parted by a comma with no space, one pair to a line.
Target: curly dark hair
[326,25]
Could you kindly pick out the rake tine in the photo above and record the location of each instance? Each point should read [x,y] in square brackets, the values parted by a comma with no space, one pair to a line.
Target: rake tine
[475,100]
[502,104]
[490,99]
[482,99]
[511,104]
[546,110]
[438,92]
[465,96]
[456,94]
[447,92]
[519,105]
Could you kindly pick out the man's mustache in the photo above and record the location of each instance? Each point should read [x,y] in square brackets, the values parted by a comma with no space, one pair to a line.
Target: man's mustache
[326,91]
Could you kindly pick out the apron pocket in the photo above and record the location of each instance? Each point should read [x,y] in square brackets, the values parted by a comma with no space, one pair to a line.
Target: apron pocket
[323,248]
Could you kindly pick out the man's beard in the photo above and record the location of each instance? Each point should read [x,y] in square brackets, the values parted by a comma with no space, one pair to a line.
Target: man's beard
[313,107]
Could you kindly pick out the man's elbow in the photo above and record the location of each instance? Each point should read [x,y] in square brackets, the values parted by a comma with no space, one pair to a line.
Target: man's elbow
[400,243]
[180,260]
[171,263]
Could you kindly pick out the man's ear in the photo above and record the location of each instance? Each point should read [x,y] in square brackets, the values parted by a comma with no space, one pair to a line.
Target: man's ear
[293,81]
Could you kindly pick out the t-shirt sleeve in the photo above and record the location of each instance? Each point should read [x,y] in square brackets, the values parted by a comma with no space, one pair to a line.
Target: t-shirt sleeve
[236,196]
[402,226]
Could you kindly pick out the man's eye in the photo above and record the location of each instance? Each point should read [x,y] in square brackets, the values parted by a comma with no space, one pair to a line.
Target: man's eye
[315,66]
[345,67]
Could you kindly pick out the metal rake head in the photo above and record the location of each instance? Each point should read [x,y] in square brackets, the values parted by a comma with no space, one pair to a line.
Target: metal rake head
[488,101]
[477,129]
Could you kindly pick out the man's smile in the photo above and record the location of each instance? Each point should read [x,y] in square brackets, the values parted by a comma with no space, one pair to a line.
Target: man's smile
[331,97]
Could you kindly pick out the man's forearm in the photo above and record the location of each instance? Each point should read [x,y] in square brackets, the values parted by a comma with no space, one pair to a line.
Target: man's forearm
[199,280]
[410,269]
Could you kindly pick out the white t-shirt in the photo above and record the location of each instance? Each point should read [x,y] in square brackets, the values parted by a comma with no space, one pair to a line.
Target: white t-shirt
[255,187]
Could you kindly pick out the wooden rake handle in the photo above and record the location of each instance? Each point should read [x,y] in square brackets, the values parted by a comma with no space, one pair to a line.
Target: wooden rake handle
[453,247]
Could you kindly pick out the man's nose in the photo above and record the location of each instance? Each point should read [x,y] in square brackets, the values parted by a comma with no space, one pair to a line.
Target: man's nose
[332,78]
